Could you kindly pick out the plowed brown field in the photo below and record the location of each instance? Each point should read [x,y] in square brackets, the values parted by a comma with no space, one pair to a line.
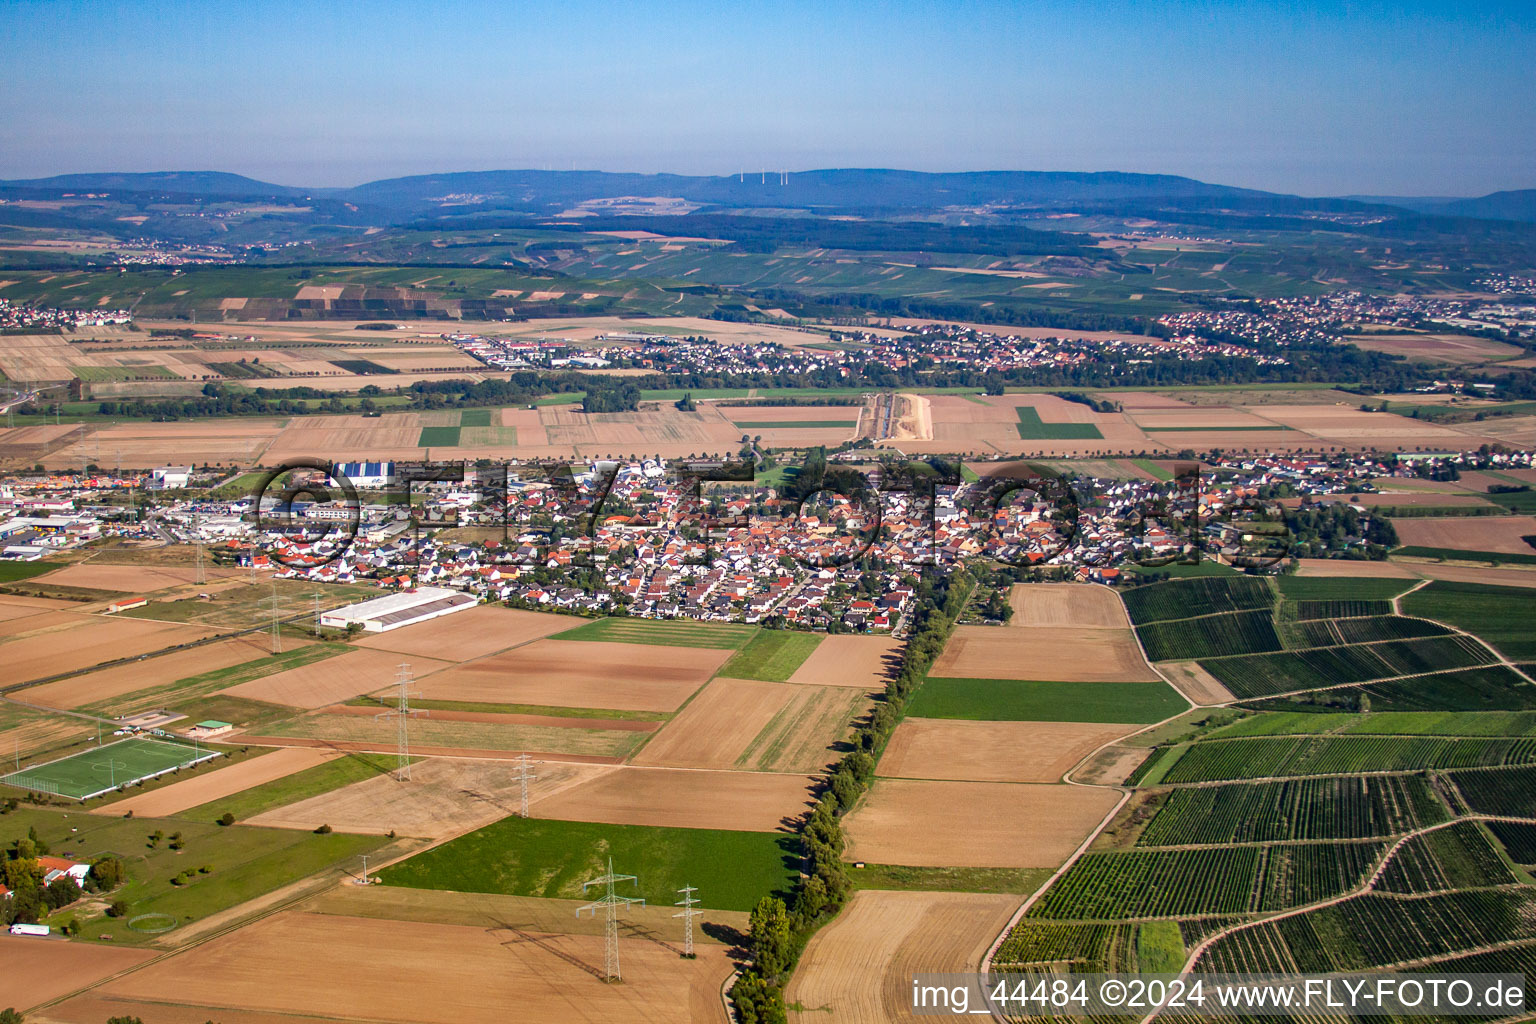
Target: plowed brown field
[37,970]
[320,965]
[1066,653]
[858,969]
[1056,604]
[973,824]
[843,660]
[151,672]
[682,798]
[926,748]
[470,634]
[444,797]
[592,674]
[333,679]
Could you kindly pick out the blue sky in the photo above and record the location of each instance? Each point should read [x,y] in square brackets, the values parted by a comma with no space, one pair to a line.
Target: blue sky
[1319,99]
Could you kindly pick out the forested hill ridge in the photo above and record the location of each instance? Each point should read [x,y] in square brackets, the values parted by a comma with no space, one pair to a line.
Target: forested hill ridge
[846,188]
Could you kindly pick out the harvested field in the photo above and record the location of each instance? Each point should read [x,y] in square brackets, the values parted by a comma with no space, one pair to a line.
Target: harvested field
[333,680]
[1416,498]
[1444,348]
[806,734]
[1187,419]
[1472,533]
[38,971]
[488,910]
[241,441]
[1473,574]
[859,969]
[94,640]
[152,672]
[1059,604]
[1073,654]
[45,621]
[973,824]
[369,732]
[470,634]
[683,798]
[444,797]
[131,579]
[593,674]
[1346,424]
[706,429]
[964,751]
[215,785]
[843,660]
[716,726]
[1337,567]
[417,973]
[1196,683]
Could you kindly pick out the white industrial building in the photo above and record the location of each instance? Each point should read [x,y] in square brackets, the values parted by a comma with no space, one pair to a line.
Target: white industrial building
[381,614]
[366,474]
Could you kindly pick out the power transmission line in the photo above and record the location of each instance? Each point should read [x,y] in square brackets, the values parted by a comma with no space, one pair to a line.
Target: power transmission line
[688,913]
[523,773]
[611,904]
[402,713]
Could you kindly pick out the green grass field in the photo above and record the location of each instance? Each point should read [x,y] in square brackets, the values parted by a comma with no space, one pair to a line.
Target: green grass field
[105,768]
[99,374]
[475,418]
[322,778]
[662,632]
[1503,616]
[1344,588]
[1009,700]
[772,655]
[245,862]
[903,878]
[438,437]
[1152,468]
[536,857]
[1032,428]
[795,424]
[15,572]
[1464,555]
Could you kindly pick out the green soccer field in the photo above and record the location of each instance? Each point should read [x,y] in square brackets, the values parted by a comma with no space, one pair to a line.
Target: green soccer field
[98,771]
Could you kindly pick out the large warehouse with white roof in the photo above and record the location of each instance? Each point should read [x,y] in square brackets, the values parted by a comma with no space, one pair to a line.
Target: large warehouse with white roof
[381,614]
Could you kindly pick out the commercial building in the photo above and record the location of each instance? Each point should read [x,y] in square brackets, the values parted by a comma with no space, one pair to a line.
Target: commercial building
[381,614]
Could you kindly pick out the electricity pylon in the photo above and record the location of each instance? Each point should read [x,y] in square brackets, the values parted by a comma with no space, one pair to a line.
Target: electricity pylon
[611,904]
[688,913]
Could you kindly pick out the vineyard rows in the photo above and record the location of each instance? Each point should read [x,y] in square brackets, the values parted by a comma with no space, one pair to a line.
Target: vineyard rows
[1336,609]
[1088,947]
[1490,689]
[1217,635]
[1518,839]
[1258,675]
[1222,760]
[1331,633]
[1459,856]
[1510,793]
[1330,808]
[1163,883]
[1205,595]
[1374,930]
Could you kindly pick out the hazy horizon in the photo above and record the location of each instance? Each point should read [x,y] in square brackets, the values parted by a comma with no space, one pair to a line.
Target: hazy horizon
[1425,99]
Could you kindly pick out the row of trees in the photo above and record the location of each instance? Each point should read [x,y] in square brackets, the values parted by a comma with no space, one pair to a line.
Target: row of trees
[778,929]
